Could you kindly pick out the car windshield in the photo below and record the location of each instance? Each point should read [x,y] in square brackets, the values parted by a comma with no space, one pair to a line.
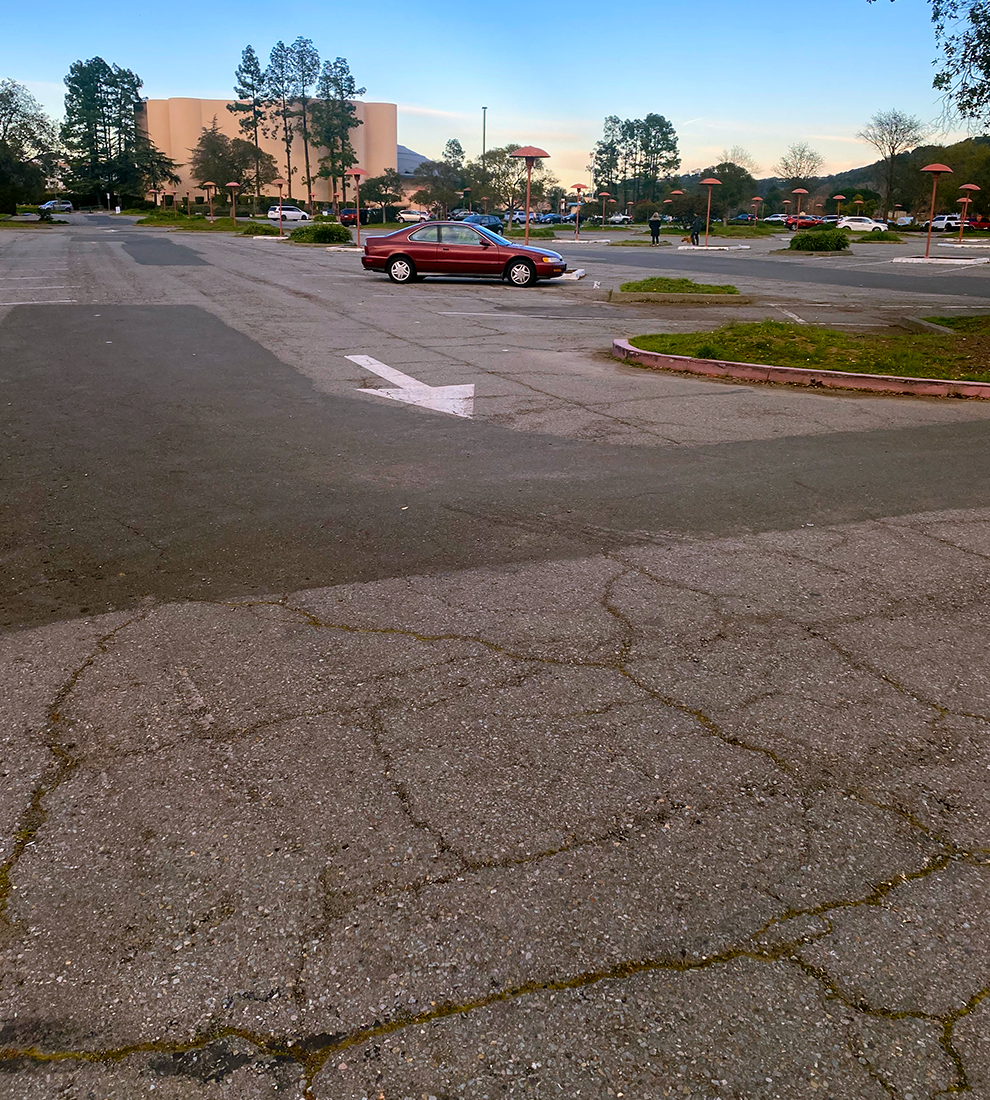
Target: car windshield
[497,238]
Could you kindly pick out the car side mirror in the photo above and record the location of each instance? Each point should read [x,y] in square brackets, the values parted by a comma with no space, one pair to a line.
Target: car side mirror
[486,244]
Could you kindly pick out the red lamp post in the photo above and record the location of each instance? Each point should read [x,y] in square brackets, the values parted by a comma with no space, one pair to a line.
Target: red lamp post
[799,191]
[484,199]
[839,200]
[279,183]
[936,170]
[858,203]
[787,212]
[232,188]
[208,188]
[965,200]
[604,196]
[756,207]
[357,173]
[578,187]
[709,183]
[188,207]
[531,155]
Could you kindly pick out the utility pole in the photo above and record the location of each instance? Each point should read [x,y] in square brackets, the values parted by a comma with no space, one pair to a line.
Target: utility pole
[484,123]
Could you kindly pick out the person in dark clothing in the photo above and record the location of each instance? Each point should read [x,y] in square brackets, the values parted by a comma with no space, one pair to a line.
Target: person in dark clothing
[655,227]
[696,227]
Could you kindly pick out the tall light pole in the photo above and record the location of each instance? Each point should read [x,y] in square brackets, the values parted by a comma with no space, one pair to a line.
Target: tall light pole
[484,136]
[578,187]
[799,191]
[604,196]
[279,183]
[756,207]
[839,200]
[357,173]
[935,170]
[709,183]
[208,188]
[965,200]
[532,155]
[232,188]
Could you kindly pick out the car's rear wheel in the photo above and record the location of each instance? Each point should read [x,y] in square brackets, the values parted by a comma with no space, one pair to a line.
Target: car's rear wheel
[520,273]
[401,270]
[876,229]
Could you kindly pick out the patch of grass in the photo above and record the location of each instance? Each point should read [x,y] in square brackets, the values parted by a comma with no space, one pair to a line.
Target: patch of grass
[197,222]
[659,284]
[965,357]
[883,237]
[820,240]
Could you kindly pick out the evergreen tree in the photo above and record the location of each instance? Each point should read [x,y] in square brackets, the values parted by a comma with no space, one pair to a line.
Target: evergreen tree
[224,160]
[305,61]
[281,83]
[385,189]
[253,104]
[107,151]
[334,116]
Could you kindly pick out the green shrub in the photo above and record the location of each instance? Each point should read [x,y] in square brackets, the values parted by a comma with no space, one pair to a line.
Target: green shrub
[323,233]
[820,240]
[259,229]
[883,236]
[542,232]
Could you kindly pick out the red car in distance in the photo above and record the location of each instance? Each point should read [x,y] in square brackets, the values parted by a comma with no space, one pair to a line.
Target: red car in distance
[456,248]
[804,221]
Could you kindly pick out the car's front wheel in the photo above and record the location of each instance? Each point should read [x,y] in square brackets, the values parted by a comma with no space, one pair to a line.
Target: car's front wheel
[520,273]
[876,229]
[401,270]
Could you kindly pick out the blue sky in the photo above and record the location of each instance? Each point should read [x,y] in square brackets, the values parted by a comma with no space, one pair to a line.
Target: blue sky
[762,81]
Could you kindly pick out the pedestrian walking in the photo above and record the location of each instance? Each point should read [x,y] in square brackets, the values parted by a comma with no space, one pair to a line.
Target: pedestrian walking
[696,227]
[655,226]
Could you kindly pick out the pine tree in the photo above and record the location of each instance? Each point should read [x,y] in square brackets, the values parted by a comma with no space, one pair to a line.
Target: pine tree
[334,116]
[107,151]
[305,62]
[253,104]
[280,81]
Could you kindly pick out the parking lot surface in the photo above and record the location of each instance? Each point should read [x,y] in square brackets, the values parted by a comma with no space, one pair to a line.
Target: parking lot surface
[621,735]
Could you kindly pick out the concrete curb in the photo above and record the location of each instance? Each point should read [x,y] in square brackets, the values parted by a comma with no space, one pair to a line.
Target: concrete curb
[799,376]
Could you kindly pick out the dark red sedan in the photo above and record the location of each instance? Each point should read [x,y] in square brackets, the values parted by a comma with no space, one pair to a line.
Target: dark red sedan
[454,248]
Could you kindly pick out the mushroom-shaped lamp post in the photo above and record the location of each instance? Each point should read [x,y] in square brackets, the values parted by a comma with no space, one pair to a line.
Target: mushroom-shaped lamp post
[531,155]
[188,201]
[484,199]
[799,191]
[357,173]
[232,188]
[756,207]
[578,187]
[604,196]
[839,200]
[936,170]
[279,183]
[709,183]
[858,203]
[208,187]
[668,202]
[467,198]
[965,200]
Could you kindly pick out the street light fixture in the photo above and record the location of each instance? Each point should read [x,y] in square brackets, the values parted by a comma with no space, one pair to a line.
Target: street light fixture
[604,196]
[531,155]
[578,187]
[208,187]
[467,197]
[279,183]
[756,207]
[709,183]
[839,200]
[799,191]
[935,170]
[965,200]
[357,173]
[232,188]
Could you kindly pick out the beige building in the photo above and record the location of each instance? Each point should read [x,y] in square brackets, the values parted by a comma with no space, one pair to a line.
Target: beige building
[175,126]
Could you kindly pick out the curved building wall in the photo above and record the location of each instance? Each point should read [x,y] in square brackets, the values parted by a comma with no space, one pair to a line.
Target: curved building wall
[175,126]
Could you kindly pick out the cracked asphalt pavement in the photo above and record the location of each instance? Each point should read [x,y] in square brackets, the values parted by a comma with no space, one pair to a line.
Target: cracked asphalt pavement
[629,739]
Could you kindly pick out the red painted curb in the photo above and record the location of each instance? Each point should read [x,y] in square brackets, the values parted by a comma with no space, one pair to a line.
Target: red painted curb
[800,376]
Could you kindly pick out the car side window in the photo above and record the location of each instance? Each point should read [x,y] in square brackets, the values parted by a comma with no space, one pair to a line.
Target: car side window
[459,234]
[429,234]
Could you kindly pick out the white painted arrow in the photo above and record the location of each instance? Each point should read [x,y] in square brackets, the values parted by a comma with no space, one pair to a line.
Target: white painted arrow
[456,400]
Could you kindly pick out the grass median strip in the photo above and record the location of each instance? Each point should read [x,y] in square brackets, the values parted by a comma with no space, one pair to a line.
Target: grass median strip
[659,284]
[964,356]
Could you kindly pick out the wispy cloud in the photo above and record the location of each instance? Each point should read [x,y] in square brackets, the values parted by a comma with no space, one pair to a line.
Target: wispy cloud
[429,112]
